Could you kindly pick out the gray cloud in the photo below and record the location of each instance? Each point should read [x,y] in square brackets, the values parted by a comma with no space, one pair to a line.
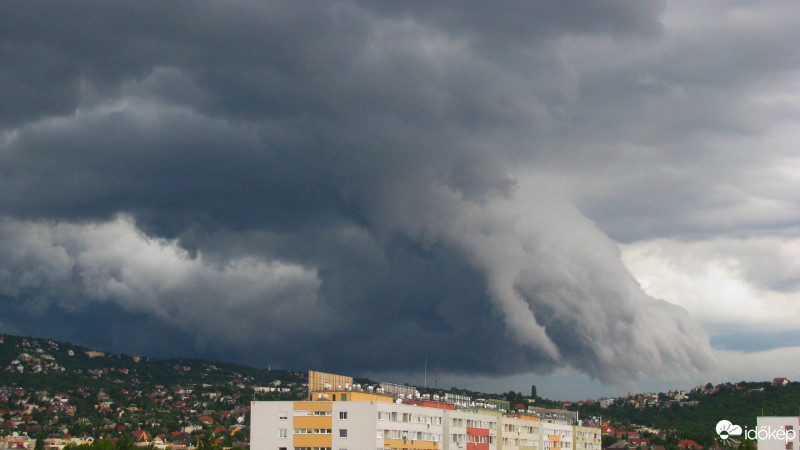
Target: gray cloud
[401,179]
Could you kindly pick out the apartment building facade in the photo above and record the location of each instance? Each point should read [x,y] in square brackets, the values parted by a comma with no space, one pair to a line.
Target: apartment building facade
[557,436]
[587,438]
[355,422]
[519,432]
[344,425]
[469,430]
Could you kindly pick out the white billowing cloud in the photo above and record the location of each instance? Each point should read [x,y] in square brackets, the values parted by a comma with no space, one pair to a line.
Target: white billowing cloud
[751,282]
[74,265]
[560,286]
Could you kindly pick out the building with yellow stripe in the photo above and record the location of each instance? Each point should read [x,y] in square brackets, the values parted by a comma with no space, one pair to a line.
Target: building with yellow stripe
[348,418]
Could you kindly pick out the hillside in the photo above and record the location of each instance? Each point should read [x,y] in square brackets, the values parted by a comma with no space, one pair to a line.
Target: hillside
[59,388]
[22,355]
[695,414]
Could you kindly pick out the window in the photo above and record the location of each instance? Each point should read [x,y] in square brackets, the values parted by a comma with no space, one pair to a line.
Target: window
[283,415]
[343,433]
[342,415]
[282,432]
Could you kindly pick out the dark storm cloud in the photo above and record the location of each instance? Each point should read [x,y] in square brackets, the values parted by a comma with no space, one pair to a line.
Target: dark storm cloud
[520,22]
[260,178]
[691,123]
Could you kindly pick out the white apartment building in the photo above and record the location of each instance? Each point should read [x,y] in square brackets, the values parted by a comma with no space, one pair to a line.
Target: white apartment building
[556,436]
[466,429]
[344,425]
[518,432]
[385,425]
[586,438]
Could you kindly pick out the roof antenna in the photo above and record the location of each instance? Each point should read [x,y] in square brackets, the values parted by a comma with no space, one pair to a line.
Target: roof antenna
[426,371]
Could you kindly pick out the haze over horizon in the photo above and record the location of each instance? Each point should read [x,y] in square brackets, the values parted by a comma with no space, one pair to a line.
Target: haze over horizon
[588,196]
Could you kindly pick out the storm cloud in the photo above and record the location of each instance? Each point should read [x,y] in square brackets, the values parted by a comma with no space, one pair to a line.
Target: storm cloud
[354,186]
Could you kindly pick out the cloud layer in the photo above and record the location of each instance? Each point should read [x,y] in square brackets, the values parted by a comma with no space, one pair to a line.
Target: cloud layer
[353,186]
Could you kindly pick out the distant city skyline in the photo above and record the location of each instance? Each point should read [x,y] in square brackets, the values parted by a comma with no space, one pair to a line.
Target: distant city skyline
[594,197]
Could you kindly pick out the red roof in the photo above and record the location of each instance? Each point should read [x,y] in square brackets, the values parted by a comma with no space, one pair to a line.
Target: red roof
[779,381]
[430,404]
[689,444]
[140,435]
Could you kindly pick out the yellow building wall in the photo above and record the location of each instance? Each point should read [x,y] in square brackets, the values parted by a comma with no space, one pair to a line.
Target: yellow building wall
[317,381]
[525,417]
[314,422]
[400,444]
[312,440]
[313,406]
[351,396]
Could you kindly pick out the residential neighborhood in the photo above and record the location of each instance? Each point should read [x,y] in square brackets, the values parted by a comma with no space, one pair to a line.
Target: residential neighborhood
[78,396]
[67,395]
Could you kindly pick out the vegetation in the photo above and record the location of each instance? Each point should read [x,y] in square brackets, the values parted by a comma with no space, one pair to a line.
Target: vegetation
[741,403]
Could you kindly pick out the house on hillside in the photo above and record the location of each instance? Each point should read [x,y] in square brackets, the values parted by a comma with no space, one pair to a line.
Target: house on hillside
[140,436]
[689,444]
[780,381]
[608,430]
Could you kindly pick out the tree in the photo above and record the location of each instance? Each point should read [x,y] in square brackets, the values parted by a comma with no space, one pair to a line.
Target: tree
[608,440]
[206,442]
[125,442]
[40,441]
[102,444]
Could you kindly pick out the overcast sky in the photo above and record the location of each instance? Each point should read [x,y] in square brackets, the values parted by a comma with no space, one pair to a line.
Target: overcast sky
[594,196]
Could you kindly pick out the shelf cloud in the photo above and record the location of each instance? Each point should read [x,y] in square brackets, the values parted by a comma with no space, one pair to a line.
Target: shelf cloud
[353,186]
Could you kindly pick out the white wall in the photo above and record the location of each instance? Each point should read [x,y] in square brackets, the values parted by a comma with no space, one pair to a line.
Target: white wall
[789,426]
[360,425]
[265,423]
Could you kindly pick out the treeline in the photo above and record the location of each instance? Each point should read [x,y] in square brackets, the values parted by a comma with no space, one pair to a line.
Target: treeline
[740,403]
[154,371]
